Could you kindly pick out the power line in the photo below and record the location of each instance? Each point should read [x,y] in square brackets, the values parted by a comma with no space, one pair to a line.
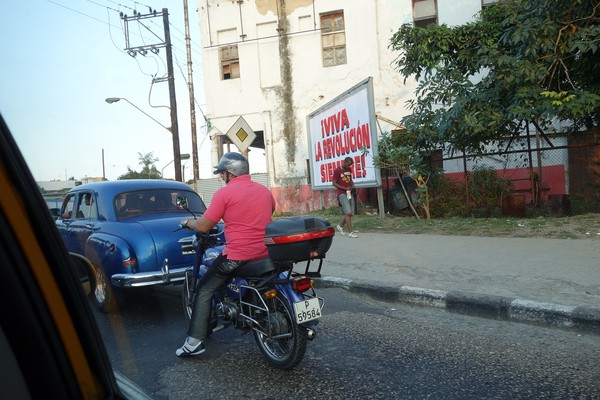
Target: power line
[101,5]
[187,83]
[110,25]
[120,12]
[78,12]
[124,52]
[153,22]
[121,5]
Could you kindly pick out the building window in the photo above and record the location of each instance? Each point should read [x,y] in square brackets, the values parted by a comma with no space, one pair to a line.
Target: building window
[333,38]
[425,12]
[230,62]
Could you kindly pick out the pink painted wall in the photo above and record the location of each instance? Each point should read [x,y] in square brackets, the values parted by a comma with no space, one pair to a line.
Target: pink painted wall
[553,180]
[301,199]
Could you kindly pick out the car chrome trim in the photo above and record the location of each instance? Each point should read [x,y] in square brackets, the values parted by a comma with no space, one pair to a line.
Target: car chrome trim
[187,245]
[149,278]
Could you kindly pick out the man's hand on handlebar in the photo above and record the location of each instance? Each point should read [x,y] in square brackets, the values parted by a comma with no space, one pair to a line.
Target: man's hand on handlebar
[184,224]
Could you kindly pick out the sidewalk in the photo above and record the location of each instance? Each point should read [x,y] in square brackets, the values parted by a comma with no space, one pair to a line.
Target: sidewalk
[547,281]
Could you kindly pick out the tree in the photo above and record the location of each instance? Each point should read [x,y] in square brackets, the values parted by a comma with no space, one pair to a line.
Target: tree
[403,161]
[149,170]
[520,60]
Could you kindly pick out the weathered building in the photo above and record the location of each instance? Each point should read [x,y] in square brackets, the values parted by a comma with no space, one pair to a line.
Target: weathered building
[273,62]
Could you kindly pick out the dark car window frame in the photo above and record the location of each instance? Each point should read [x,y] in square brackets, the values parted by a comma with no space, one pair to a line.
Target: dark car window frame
[48,306]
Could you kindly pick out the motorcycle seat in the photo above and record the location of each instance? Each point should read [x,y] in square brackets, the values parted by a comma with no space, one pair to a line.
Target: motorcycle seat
[255,267]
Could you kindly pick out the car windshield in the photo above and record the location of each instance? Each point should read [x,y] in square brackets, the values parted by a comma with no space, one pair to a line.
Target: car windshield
[145,202]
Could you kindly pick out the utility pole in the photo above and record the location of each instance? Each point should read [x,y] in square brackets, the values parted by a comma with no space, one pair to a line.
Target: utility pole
[154,48]
[103,171]
[191,90]
[173,99]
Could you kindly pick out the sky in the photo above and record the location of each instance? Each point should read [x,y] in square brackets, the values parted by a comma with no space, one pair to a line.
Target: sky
[62,58]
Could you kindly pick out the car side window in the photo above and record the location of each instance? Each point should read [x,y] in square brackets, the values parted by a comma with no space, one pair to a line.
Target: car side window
[67,207]
[86,206]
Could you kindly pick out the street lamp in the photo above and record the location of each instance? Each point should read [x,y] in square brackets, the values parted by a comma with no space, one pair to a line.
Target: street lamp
[111,100]
[176,154]
[184,156]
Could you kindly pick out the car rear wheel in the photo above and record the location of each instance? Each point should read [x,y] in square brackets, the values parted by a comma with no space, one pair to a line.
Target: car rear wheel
[103,294]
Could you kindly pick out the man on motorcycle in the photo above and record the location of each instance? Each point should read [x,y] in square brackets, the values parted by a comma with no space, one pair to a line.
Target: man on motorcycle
[245,208]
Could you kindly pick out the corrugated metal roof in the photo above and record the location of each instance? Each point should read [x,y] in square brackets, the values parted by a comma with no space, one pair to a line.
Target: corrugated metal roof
[208,187]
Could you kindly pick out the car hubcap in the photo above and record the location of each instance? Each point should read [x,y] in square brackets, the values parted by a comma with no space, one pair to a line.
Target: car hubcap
[100,291]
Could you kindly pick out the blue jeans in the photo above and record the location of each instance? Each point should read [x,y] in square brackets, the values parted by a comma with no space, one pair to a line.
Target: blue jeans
[214,278]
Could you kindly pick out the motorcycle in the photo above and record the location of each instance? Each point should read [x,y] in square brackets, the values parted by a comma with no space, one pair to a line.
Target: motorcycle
[266,297]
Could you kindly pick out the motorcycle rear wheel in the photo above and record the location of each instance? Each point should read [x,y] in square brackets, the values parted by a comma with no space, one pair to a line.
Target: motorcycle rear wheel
[285,344]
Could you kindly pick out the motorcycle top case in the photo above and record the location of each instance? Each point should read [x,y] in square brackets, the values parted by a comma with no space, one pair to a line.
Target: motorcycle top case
[298,238]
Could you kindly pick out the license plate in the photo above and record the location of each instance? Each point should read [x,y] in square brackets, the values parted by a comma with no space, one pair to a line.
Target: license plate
[307,310]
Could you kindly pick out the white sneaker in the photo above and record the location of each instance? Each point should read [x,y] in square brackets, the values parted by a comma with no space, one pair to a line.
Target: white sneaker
[190,349]
[341,230]
[352,235]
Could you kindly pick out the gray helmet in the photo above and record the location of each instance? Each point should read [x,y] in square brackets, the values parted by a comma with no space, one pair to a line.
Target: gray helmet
[234,163]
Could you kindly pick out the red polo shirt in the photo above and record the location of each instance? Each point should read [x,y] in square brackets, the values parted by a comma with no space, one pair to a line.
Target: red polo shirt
[246,208]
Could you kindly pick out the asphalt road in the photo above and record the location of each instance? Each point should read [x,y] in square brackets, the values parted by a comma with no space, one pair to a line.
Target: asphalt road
[365,349]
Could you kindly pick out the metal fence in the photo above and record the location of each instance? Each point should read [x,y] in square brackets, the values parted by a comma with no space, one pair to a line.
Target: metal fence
[557,173]
[547,174]
[208,187]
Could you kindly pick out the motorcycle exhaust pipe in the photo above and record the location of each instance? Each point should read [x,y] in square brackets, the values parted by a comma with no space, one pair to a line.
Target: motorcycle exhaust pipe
[311,334]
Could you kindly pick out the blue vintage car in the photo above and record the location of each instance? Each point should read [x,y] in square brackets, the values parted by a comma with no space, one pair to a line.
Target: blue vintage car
[125,231]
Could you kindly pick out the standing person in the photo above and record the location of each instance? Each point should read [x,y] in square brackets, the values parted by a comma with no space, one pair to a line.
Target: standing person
[342,181]
[246,208]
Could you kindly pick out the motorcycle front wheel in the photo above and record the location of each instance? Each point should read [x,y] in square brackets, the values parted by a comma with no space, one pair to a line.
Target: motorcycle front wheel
[187,301]
[187,298]
[280,339]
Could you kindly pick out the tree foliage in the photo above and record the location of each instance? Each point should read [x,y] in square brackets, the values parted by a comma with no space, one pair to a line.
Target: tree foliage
[519,60]
[403,161]
[148,171]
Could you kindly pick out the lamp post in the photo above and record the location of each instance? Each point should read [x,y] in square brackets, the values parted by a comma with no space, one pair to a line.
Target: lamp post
[176,151]
[184,156]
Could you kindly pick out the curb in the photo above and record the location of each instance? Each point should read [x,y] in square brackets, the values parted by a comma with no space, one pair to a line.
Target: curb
[581,318]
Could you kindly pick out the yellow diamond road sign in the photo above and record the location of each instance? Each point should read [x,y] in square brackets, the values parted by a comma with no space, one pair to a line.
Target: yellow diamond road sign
[241,134]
